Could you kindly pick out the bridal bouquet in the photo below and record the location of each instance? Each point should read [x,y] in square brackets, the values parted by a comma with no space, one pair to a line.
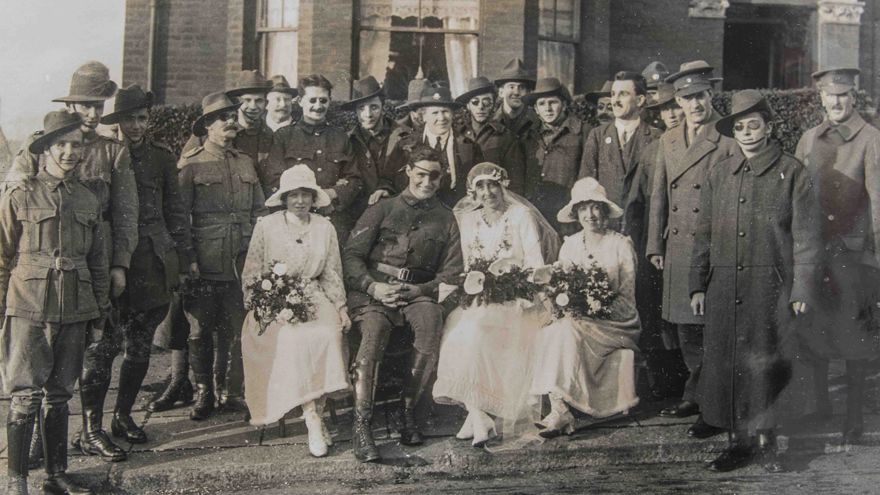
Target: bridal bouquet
[580,293]
[497,282]
[281,297]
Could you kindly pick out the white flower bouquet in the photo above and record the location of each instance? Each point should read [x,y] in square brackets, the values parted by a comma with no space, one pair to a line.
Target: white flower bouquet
[580,293]
[279,296]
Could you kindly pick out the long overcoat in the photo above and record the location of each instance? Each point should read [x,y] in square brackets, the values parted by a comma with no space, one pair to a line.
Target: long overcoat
[679,175]
[755,253]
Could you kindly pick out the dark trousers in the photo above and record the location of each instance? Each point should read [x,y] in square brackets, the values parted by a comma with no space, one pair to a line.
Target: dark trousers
[40,360]
[133,334]
[691,339]
[215,312]
[423,317]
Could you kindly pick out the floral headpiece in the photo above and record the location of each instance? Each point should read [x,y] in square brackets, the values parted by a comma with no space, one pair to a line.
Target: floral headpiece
[487,171]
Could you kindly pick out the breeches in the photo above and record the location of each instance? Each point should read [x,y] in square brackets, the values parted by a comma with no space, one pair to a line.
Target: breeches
[215,307]
[133,334]
[40,360]
[424,318]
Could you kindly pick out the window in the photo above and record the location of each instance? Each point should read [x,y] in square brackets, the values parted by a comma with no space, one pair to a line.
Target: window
[400,39]
[277,31]
[558,35]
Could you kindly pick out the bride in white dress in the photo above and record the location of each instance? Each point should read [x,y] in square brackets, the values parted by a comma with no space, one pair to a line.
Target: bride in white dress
[298,364]
[487,349]
[588,363]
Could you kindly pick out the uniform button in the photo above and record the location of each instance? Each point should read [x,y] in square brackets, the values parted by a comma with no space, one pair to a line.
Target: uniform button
[411,250]
[742,234]
[317,134]
[738,301]
[739,267]
[320,169]
[674,186]
[696,186]
[414,227]
[319,152]
[542,174]
[675,208]
[748,169]
[831,217]
[674,231]
[742,200]
[546,152]
[696,210]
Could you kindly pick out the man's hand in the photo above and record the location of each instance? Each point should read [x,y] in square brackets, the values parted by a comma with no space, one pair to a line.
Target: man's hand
[194,271]
[657,261]
[409,292]
[377,195]
[799,308]
[387,294]
[96,330]
[117,281]
[344,319]
[698,303]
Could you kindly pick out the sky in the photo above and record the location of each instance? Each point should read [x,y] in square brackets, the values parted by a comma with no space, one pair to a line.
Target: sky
[43,42]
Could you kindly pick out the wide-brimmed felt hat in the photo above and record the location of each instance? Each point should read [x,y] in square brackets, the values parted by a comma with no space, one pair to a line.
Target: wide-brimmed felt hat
[434,97]
[280,85]
[212,104]
[548,86]
[836,81]
[587,189]
[90,82]
[249,81]
[742,103]
[55,123]
[299,177]
[487,170]
[655,73]
[692,78]
[363,90]
[476,86]
[128,100]
[593,96]
[665,94]
[515,71]
[414,91]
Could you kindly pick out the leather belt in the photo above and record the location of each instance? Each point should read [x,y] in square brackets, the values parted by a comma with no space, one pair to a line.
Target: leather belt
[408,275]
[60,263]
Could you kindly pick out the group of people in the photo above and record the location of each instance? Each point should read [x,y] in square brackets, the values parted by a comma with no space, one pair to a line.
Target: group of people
[718,245]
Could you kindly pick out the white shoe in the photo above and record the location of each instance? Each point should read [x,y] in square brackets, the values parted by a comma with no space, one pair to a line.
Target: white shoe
[467,429]
[319,410]
[557,423]
[315,426]
[483,428]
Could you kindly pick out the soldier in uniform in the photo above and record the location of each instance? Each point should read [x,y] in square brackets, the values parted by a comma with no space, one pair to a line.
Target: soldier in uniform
[220,191]
[601,102]
[254,137]
[514,83]
[458,153]
[413,119]
[279,111]
[326,149]
[842,155]
[655,74]
[54,294]
[399,253]
[686,154]
[372,139]
[162,225]
[498,144]
[554,149]
[106,171]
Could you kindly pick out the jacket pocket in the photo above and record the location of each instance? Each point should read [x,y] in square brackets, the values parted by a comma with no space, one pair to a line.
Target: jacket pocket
[86,221]
[28,286]
[210,247]
[32,233]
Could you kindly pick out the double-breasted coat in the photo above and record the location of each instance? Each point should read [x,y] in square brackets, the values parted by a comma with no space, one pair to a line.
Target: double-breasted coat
[755,253]
[501,147]
[679,175]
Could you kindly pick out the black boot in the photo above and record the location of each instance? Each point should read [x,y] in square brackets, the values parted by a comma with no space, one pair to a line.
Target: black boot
[19,430]
[856,370]
[179,388]
[363,445]
[94,440]
[766,453]
[420,374]
[739,453]
[201,359]
[131,376]
[35,453]
[203,406]
[55,448]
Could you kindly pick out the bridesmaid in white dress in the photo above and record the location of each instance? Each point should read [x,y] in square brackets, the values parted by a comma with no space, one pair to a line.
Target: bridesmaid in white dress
[486,350]
[588,363]
[297,364]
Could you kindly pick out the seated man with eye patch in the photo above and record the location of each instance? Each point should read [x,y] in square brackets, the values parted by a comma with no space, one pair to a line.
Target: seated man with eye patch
[326,149]
[398,254]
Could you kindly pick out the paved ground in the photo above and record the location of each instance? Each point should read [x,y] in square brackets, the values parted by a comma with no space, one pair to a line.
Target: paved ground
[639,453]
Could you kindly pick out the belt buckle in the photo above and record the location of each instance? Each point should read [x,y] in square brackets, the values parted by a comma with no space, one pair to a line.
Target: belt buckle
[404,275]
[64,263]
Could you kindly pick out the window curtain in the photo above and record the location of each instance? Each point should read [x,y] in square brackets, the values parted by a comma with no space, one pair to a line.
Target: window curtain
[461,55]
[375,48]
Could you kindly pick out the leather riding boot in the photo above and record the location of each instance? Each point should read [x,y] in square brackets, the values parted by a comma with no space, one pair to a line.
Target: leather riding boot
[856,371]
[739,453]
[35,453]
[767,454]
[19,430]
[420,374]
[179,387]
[94,440]
[54,423]
[363,445]
[201,360]
[131,376]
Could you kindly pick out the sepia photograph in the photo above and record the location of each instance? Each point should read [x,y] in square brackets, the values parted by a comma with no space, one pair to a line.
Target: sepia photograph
[334,247]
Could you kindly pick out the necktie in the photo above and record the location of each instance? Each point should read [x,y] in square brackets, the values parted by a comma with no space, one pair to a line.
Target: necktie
[438,145]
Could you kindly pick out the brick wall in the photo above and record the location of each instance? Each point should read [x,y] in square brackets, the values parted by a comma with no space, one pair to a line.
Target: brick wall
[190,53]
[325,42]
[504,35]
[645,30]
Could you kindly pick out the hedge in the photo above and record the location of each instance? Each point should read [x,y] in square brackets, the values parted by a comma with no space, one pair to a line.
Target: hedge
[796,111]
